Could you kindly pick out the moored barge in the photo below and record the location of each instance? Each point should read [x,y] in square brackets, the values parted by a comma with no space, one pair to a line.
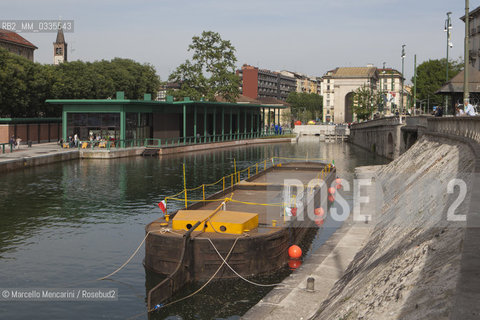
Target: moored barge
[251,224]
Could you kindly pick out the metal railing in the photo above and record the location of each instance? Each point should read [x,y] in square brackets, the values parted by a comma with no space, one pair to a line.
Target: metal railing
[201,192]
[5,146]
[171,142]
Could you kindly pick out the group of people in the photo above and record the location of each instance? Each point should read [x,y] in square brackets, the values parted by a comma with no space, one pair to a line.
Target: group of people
[72,141]
[467,110]
[15,143]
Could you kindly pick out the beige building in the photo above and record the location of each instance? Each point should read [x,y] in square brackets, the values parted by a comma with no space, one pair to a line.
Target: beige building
[327,91]
[304,83]
[390,85]
[338,87]
[16,44]
[474,37]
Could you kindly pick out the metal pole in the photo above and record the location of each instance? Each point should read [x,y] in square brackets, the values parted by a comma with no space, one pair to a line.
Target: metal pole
[466,55]
[184,123]
[448,27]
[415,84]
[401,93]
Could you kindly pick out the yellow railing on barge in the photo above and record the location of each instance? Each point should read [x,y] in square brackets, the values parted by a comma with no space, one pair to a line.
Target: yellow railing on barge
[234,178]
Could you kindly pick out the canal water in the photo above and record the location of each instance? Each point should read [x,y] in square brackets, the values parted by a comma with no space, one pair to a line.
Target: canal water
[66,224]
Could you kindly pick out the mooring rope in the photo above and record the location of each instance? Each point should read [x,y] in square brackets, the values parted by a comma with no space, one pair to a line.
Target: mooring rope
[236,273]
[159,306]
[129,259]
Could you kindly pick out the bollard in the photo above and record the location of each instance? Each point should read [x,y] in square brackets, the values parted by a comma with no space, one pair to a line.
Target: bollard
[310,284]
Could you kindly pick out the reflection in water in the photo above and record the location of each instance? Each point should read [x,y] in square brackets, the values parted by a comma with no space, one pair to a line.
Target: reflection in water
[72,222]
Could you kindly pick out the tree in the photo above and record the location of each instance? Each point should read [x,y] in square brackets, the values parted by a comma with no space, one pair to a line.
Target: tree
[211,71]
[305,106]
[431,77]
[24,85]
[366,102]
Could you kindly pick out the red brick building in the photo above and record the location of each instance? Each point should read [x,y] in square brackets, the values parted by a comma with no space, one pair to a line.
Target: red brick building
[16,44]
[261,83]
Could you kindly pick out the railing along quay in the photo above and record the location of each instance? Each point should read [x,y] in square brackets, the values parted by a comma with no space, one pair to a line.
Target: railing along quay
[170,142]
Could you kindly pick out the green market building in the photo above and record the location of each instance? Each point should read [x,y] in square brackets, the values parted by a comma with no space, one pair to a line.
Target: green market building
[121,119]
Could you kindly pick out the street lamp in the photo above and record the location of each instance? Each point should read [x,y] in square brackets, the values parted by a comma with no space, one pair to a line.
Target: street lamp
[448,27]
[401,94]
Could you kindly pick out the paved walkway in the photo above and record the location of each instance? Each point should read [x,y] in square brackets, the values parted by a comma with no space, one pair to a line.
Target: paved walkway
[291,300]
[40,149]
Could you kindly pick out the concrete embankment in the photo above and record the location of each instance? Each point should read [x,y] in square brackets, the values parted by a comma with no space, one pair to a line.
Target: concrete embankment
[291,300]
[40,154]
[417,262]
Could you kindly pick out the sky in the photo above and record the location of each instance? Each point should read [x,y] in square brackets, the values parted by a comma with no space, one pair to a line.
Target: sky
[306,36]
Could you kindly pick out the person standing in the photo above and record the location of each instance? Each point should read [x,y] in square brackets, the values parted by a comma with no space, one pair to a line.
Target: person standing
[469,110]
[459,111]
[12,142]
[75,140]
[18,143]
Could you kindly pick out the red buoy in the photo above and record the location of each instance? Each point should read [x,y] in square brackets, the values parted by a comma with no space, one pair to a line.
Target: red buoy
[294,264]
[331,198]
[338,183]
[331,190]
[319,211]
[294,252]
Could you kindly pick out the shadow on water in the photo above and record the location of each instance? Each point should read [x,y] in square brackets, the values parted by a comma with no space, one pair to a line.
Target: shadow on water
[223,298]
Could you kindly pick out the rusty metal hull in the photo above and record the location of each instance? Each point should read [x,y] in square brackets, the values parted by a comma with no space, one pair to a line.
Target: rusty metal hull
[189,256]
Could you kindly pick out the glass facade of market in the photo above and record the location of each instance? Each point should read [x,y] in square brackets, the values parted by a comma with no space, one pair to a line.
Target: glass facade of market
[128,120]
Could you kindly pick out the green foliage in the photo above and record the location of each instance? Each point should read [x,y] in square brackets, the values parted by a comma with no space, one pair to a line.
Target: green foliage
[211,71]
[431,77]
[24,85]
[365,102]
[305,106]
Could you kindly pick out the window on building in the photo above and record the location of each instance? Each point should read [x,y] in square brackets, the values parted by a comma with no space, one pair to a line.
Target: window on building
[328,87]
[328,103]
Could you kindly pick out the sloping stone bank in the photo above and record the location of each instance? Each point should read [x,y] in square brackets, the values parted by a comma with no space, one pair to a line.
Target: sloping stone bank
[410,268]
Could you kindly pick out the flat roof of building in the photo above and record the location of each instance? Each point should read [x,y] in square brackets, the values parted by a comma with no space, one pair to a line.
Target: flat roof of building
[159,103]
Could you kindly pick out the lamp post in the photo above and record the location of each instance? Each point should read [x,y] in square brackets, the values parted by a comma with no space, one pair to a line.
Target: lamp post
[401,93]
[383,91]
[466,57]
[448,27]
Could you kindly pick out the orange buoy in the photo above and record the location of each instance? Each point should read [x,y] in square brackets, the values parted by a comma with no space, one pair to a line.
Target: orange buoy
[331,198]
[319,222]
[338,182]
[294,252]
[294,264]
[331,190]
[319,211]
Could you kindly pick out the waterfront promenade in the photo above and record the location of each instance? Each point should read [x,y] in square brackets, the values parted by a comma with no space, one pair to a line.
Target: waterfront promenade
[44,153]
